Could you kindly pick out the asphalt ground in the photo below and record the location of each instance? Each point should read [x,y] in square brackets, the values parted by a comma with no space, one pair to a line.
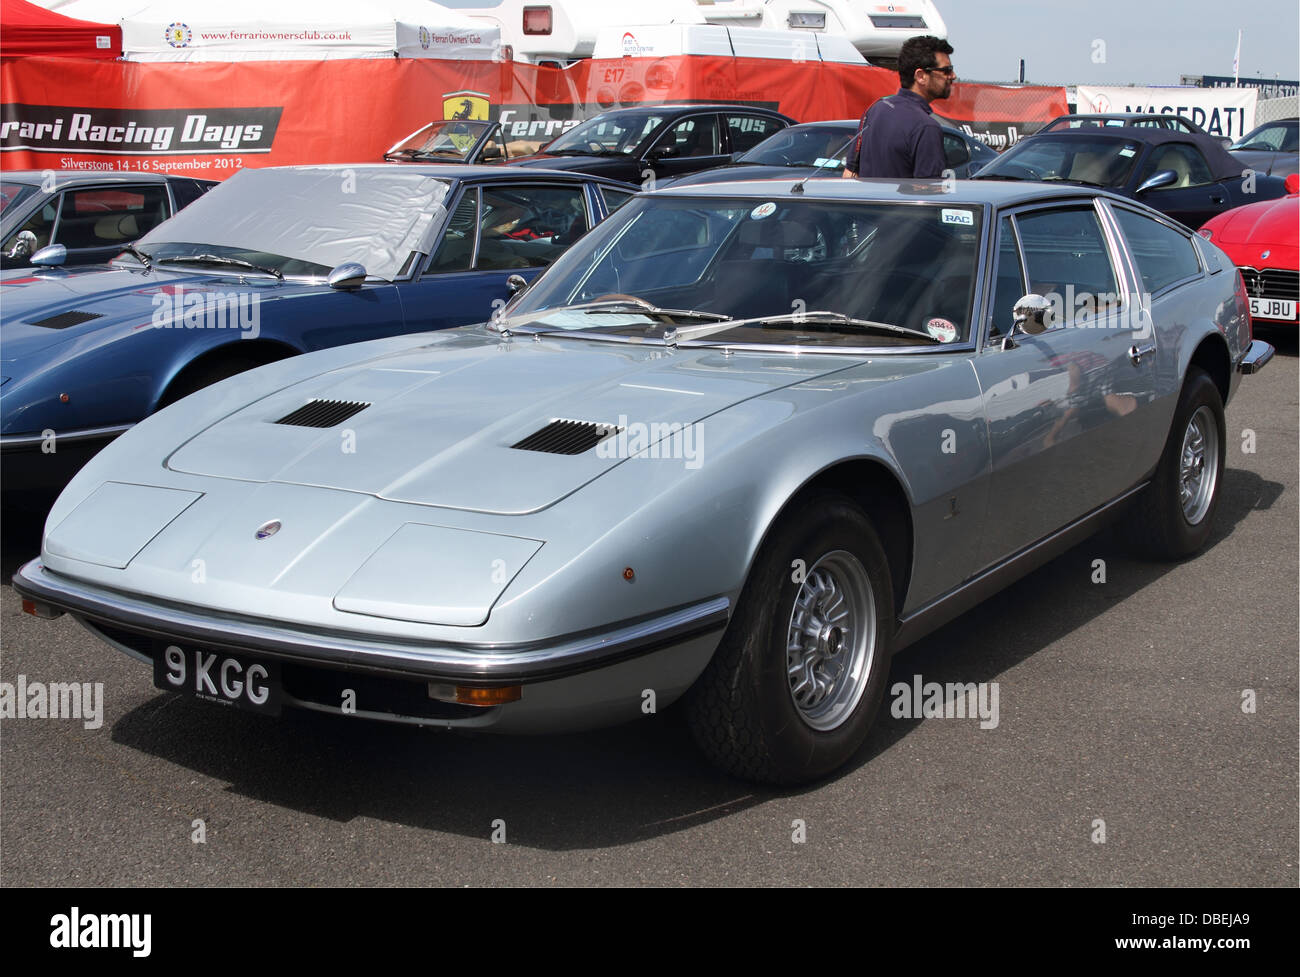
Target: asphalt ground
[1120,710]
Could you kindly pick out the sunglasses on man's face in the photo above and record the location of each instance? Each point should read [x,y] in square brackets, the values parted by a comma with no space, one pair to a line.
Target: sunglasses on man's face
[949,70]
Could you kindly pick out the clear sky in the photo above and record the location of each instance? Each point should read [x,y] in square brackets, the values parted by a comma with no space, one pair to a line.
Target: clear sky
[1149,43]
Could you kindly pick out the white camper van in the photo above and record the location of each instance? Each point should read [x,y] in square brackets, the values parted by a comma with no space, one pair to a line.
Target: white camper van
[563,31]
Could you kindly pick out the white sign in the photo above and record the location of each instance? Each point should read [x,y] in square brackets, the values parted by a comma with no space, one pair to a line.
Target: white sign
[1219,111]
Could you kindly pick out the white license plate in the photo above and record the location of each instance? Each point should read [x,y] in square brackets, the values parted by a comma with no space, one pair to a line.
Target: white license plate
[1272,309]
[217,677]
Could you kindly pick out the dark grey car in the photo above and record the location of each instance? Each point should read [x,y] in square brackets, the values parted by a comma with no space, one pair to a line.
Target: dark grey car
[1272,148]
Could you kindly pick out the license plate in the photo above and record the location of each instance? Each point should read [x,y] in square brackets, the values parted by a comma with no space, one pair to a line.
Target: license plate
[1272,309]
[230,680]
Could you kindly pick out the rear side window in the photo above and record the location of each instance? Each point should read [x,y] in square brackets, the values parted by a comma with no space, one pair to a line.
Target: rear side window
[747,131]
[185,192]
[614,199]
[1163,255]
[1067,260]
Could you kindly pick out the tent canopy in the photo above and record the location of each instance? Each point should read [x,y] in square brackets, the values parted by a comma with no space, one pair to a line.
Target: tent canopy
[289,30]
[34,32]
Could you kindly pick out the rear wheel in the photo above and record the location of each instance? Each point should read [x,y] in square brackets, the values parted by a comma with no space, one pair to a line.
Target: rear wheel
[1175,515]
[798,678]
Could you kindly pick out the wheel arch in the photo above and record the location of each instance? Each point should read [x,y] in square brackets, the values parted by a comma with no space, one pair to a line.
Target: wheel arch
[1211,355]
[259,351]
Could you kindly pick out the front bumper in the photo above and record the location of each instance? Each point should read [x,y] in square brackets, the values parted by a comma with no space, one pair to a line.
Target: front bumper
[1257,355]
[479,664]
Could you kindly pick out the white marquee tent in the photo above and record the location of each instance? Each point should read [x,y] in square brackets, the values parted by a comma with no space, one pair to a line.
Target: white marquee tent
[287,30]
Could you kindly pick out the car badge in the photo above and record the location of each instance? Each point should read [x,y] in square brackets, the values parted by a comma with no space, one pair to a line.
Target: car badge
[1265,254]
[268,529]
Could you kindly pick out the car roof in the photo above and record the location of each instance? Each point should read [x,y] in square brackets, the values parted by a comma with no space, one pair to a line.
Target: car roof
[996,193]
[1140,116]
[690,107]
[64,178]
[460,171]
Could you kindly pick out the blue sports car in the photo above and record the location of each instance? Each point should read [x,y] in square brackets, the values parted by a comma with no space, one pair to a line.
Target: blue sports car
[273,262]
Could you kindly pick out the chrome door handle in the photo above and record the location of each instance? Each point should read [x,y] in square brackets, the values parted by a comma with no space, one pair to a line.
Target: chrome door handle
[1135,353]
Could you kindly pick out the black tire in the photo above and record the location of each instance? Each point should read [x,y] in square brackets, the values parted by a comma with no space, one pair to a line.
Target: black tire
[1157,523]
[195,377]
[742,710]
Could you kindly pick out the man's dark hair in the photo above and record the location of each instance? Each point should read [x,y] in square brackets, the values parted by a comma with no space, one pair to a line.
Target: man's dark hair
[919,52]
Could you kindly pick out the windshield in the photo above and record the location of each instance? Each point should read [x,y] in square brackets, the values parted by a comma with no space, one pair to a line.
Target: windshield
[809,145]
[1273,138]
[606,135]
[1102,161]
[296,220]
[447,141]
[12,193]
[904,272]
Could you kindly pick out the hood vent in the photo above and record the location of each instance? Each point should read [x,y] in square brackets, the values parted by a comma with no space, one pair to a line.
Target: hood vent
[562,437]
[65,319]
[323,413]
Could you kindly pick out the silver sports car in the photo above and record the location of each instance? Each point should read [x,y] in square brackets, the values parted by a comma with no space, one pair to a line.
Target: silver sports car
[737,446]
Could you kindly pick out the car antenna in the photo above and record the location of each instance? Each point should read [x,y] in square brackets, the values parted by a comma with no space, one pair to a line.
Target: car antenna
[798,187]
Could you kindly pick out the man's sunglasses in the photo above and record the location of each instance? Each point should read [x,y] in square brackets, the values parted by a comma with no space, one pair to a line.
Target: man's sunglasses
[950,71]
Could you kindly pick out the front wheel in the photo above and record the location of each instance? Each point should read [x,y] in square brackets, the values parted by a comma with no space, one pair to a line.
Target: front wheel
[1175,514]
[798,678]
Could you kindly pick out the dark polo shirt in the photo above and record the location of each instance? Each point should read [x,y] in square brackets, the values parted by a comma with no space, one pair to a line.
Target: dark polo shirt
[900,138]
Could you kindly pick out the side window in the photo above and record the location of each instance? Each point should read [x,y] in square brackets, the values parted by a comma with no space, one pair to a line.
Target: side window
[747,131]
[696,136]
[40,224]
[456,252]
[529,227]
[1067,261]
[104,217]
[185,192]
[1185,160]
[1010,285]
[955,151]
[1163,255]
[614,199]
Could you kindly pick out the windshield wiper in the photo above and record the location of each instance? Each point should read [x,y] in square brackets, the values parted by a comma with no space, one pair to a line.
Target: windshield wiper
[673,336]
[614,306]
[1066,179]
[139,255]
[216,259]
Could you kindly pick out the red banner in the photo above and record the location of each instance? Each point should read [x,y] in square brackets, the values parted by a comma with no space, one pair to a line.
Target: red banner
[207,119]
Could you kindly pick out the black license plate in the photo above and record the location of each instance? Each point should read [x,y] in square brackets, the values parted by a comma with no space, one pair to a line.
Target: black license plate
[230,680]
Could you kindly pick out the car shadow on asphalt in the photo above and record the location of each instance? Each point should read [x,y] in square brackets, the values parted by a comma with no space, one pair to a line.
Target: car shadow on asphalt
[615,786]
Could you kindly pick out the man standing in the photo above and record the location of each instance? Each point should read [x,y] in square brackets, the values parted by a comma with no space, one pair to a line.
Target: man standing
[899,136]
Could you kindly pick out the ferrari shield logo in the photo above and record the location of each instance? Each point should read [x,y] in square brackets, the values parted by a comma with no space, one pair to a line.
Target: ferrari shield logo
[466,105]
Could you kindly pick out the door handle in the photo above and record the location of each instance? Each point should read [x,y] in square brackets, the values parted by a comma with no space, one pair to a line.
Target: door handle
[1216,198]
[1135,353]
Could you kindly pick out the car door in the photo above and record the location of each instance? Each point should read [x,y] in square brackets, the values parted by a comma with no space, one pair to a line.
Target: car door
[688,145]
[1061,406]
[1195,197]
[495,231]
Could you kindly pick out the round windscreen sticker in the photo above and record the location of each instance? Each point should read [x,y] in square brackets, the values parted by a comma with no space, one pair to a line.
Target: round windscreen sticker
[763,210]
[942,330]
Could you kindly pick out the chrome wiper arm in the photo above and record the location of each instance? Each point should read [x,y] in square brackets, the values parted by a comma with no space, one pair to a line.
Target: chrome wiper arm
[216,259]
[139,255]
[674,336]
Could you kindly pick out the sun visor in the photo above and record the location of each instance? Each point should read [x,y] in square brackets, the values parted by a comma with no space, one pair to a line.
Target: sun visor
[375,215]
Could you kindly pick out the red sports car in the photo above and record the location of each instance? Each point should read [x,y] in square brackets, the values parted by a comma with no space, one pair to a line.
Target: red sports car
[1262,241]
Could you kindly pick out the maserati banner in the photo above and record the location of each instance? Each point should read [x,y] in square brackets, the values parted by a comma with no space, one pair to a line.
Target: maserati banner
[1226,112]
[207,119]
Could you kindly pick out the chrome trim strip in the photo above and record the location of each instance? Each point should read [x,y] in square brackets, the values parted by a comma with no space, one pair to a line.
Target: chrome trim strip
[10,442]
[488,664]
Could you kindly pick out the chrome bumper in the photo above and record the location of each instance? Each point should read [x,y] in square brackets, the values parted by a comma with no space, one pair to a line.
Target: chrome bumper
[1258,353]
[480,664]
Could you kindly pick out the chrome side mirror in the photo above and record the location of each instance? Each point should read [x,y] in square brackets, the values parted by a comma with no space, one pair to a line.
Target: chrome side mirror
[348,275]
[517,284]
[1157,180]
[24,244]
[50,257]
[1029,316]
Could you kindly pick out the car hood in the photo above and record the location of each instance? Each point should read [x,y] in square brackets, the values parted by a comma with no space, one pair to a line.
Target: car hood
[113,297]
[1266,223]
[439,423]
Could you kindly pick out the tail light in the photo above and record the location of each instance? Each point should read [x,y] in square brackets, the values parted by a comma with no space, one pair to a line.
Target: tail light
[538,20]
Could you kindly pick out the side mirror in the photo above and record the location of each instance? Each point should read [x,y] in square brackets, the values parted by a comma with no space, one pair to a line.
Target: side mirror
[1029,316]
[50,257]
[517,284]
[1157,180]
[24,245]
[346,276]
[1293,183]
[663,152]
